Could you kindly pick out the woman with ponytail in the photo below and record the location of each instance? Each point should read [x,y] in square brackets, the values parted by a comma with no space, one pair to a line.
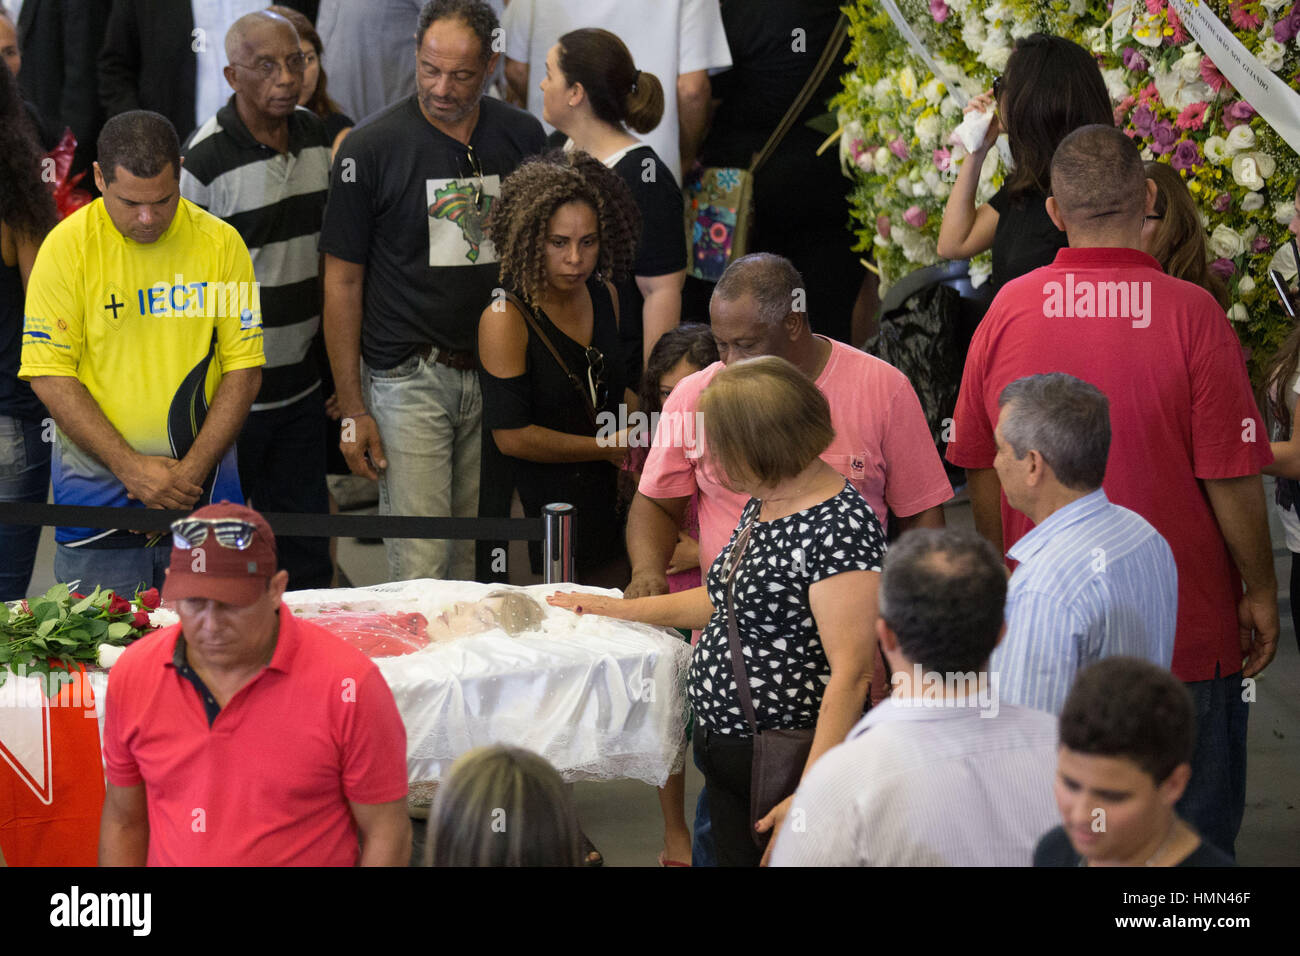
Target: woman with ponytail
[593,93]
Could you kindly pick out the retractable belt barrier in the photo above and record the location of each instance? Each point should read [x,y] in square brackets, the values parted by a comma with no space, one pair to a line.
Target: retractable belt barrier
[555,527]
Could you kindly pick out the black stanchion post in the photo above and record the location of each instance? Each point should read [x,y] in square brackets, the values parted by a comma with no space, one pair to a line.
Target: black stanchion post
[558,542]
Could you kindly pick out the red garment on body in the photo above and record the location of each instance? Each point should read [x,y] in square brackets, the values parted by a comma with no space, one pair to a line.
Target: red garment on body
[268,784]
[1181,409]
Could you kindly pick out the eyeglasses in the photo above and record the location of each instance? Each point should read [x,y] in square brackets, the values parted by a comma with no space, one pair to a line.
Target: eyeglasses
[596,376]
[267,68]
[231,533]
[477,169]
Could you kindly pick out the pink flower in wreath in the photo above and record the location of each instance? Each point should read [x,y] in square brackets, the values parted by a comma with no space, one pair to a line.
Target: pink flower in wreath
[1122,109]
[1134,61]
[938,10]
[1260,244]
[914,217]
[1155,6]
[1149,94]
[1186,155]
[1163,137]
[1144,120]
[1193,117]
[1222,202]
[1237,113]
[1211,75]
[1242,18]
[1180,34]
[942,160]
[899,148]
[1285,30]
[882,226]
[1223,268]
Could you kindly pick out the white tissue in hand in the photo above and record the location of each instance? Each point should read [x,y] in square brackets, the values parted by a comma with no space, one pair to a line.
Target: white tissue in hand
[971,130]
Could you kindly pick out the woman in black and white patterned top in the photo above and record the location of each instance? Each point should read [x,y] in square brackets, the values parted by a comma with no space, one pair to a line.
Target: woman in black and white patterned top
[806,559]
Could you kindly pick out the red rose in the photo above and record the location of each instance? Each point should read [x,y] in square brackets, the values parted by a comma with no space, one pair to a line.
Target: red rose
[150,598]
[78,595]
[140,620]
[119,606]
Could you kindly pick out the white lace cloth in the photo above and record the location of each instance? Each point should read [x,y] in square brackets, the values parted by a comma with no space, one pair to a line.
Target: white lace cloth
[600,699]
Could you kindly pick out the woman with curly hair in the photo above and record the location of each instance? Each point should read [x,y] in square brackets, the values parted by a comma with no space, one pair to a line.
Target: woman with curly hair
[26,215]
[564,228]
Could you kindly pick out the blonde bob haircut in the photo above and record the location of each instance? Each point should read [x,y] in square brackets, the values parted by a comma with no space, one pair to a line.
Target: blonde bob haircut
[764,421]
[502,806]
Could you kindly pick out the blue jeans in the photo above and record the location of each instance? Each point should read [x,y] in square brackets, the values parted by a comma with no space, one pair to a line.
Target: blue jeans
[702,851]
[24,476]
[120,570]
[1215,798]
[429,418]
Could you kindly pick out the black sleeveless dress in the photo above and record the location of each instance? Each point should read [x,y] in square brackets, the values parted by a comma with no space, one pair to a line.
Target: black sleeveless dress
[544,396]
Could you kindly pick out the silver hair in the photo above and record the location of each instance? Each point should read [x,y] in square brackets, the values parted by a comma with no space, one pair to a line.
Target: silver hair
[1064,419]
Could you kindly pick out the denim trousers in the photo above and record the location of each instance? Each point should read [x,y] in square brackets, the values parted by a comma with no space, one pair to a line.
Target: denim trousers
[1215,798]
[24,477]
[429,418]
[120,570]
[282,468]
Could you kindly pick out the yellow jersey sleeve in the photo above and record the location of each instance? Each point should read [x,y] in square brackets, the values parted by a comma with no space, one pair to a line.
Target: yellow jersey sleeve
[53,317]
[239,316]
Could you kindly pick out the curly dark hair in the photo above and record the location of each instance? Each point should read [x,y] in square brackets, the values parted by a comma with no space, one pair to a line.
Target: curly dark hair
[25,202]
[530,197]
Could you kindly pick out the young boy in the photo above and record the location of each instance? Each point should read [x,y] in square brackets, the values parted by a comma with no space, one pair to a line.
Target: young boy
[1126,739]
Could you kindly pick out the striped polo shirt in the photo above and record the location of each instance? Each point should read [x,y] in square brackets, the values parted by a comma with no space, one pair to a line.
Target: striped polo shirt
[275,201]
[1095,580]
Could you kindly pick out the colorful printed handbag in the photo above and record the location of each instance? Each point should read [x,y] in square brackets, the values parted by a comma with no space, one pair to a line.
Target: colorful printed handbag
[719,200]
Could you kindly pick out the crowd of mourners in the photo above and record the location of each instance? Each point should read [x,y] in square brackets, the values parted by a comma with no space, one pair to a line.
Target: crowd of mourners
[455,270]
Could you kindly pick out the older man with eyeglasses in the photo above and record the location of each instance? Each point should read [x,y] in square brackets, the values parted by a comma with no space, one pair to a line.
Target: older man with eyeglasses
[408,269]
[262,164]
[243,736]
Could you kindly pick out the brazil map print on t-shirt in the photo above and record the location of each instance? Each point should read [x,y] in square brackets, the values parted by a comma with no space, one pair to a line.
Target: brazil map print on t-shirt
[456,224]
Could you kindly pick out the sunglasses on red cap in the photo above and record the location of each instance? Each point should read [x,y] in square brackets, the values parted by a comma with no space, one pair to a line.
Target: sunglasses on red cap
[233,533]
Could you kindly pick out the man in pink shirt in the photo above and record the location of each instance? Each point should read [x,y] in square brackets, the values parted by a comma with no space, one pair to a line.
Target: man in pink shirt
[882,443]
[1187,443]
[243,736]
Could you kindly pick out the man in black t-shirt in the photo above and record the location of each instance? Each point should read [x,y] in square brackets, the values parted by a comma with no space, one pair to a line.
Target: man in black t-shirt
[408,270]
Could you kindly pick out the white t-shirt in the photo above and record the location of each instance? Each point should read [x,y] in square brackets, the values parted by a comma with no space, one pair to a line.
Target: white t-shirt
[666,38]
[1290,520]
[214,18]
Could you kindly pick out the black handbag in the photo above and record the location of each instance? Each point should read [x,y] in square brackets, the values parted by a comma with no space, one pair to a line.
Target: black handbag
[779,755]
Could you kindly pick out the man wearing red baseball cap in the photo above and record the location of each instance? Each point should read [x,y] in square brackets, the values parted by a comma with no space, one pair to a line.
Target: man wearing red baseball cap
[243,736]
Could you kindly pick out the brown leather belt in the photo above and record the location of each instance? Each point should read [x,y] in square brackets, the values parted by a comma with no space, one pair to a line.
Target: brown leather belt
[461,361]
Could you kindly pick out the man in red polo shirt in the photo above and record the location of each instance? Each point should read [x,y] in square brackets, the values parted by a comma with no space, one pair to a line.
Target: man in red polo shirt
[243,736]
[1187,444]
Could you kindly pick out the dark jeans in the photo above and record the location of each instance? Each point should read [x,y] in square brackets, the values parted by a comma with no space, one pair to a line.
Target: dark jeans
[726,762]
[24,476]
[282,468]
[1215,798]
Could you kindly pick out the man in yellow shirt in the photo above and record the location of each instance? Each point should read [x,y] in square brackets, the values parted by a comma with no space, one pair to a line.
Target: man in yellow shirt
[143,337]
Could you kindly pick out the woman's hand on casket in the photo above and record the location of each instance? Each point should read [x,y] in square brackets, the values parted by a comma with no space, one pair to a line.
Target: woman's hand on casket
[582,602]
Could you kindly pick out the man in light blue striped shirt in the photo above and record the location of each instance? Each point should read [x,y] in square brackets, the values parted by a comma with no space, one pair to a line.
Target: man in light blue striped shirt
[1094,580]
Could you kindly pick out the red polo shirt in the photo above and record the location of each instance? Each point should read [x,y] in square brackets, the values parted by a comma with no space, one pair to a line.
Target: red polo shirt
[1181,409]
[268,783]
